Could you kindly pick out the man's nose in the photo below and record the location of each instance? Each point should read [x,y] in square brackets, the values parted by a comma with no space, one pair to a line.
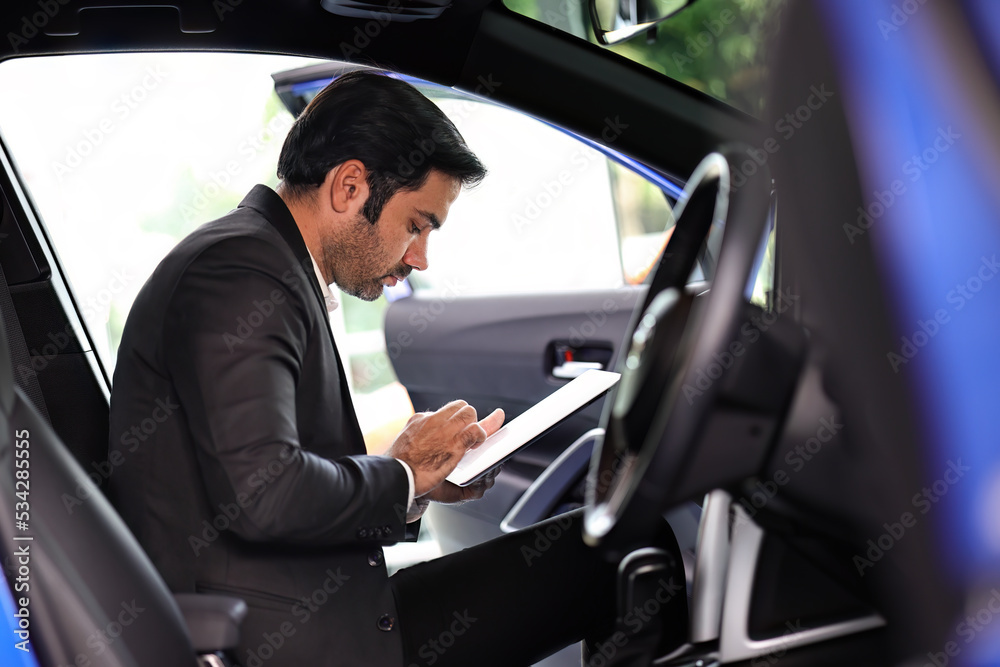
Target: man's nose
[416,253]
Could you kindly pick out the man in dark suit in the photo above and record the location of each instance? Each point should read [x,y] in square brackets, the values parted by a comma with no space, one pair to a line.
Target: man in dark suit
[246,470]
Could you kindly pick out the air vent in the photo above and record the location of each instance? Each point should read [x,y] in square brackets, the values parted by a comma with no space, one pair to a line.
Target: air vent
[397,11]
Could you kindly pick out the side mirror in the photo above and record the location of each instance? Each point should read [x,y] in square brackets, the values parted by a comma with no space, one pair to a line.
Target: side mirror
[615,21]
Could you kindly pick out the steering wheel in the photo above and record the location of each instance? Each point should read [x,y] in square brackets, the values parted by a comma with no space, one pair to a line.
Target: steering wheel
[658,412]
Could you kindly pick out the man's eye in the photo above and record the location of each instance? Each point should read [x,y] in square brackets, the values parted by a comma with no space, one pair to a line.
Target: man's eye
[414,229]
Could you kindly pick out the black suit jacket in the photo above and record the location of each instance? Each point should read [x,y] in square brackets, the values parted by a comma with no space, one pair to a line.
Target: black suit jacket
[238,460]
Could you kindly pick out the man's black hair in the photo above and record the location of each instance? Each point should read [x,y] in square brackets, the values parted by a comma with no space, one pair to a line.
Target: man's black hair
[387,124]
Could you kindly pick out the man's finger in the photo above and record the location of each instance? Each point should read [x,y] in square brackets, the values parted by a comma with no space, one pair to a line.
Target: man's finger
[492,423]
[451,408]
[465,415]
[473,435]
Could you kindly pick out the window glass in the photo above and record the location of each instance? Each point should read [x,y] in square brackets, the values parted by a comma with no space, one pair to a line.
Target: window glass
[715,46]
[543,219]
[645,220]
[125,154]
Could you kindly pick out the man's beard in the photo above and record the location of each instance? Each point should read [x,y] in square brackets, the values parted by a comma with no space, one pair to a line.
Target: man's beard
[355,257]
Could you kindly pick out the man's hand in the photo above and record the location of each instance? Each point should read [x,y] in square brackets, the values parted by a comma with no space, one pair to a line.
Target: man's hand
[432,443]
[456,495]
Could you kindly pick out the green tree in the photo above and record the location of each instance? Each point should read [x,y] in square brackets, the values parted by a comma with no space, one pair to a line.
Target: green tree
[715,46]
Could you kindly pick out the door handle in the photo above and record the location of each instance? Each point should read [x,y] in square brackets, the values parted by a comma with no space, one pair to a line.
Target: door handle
[570,361]
[574,369]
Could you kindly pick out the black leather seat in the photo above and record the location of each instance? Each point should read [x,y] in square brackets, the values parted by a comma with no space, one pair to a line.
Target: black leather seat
[94,597]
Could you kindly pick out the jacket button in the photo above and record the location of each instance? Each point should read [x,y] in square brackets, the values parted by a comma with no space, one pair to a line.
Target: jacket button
[386,622]
[362,533]
[375,558]
[388,530]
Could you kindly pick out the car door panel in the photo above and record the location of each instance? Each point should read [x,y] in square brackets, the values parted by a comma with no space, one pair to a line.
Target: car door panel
[499,351]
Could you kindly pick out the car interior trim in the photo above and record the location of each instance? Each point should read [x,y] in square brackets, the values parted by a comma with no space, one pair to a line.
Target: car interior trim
[734,642]
[711,562]
[539,499]
[58,284]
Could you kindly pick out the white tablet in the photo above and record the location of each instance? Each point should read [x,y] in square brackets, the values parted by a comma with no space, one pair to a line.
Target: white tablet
[534,421]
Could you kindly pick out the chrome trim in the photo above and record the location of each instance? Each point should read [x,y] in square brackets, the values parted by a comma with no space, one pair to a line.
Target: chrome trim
[735,643]
[58,283]
[535,503]
[210,660]
[711,562]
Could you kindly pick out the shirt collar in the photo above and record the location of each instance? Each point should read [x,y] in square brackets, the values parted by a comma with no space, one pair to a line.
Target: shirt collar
[328,296]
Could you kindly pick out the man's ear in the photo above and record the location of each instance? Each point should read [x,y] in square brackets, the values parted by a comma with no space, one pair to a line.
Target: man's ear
[347,187]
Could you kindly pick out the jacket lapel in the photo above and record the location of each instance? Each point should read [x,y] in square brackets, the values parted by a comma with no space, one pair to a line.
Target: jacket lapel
[266,201]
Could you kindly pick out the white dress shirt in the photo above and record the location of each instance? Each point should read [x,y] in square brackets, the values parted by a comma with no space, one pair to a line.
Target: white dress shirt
[415,507]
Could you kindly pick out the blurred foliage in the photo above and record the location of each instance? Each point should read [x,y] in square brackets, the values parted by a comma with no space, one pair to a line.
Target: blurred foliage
[198,200]
[371,371]
[715,46]
[362,315]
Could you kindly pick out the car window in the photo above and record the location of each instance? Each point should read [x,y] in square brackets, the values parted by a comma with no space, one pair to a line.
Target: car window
[125,154]
[554,214]
[715,46]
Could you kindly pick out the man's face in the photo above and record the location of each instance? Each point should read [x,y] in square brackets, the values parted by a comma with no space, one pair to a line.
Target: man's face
[363,258]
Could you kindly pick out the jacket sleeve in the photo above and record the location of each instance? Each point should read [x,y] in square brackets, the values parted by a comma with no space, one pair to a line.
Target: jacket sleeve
[234,343]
